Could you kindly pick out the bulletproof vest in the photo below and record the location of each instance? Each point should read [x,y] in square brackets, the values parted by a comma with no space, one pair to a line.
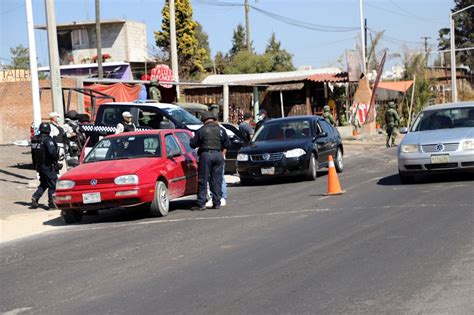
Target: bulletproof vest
[390,117]
[61,137]
[39,152]
[128,127]
[211,137]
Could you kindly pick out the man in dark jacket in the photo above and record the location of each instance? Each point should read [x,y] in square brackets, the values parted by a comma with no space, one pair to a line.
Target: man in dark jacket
[212,141]
[262,117]
[245,128]
[45,159]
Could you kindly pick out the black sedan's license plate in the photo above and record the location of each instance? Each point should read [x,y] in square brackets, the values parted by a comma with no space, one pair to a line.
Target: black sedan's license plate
[268,171]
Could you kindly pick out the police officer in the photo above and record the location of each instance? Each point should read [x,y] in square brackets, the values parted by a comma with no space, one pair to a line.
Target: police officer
[127,124]
[391,124]
[60,133]
[45,159]
[327,114]
[212,141]
[154,92]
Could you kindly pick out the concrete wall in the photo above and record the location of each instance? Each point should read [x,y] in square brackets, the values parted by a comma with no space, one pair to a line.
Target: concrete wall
[136,41]
[16,109]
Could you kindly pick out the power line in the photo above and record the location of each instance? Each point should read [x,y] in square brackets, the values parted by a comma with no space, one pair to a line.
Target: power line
[410,13]
[11,10]
[399,13]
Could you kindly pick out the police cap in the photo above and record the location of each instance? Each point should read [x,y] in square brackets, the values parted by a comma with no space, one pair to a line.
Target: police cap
[208,115]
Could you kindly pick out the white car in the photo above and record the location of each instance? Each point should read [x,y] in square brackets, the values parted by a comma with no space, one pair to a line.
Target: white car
[441,139]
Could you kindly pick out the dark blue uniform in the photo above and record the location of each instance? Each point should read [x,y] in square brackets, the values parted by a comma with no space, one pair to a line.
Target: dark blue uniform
[211,140]
[45,158]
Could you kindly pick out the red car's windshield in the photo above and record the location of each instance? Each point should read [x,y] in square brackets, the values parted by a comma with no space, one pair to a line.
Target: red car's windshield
[125,147]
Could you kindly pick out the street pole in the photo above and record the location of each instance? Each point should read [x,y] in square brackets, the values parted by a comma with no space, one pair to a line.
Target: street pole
[54,71]
[174,50]
[33,65]
[225,103]
[99,40]
[362,35]
[454,90]
[426,48]
[247,25]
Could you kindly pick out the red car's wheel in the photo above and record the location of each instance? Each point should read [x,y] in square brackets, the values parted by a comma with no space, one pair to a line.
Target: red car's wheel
[161,202]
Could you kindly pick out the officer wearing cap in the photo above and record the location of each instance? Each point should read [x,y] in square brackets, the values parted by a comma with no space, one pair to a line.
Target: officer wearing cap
[45,159]
[262,117]
[126,125]
[327,114]
[154,92]
[391,124]
[60,133]
[212,141]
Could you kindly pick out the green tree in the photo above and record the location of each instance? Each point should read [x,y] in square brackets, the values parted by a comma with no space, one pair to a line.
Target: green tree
[191,56]
[464,34]
[20,57]
[239,41]
[220,62]
[414,63]
[203,41]
[249,62]
[282,60]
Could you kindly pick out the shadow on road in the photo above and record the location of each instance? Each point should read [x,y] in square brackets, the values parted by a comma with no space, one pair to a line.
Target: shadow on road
[279,180]
[28,204]
[23,166]
[118,215]
[14,174]
[394,180]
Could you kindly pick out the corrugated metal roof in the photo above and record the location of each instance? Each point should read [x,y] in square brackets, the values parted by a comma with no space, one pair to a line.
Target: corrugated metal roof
[329,77]
[286,87]
[268,77]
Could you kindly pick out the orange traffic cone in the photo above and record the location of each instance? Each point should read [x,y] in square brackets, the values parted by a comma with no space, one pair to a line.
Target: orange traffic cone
[334,187]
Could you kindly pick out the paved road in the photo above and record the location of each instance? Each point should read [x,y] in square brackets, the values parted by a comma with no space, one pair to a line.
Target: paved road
[277,248]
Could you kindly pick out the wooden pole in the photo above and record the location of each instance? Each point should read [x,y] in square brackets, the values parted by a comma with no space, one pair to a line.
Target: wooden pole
[412,99]
[308,98]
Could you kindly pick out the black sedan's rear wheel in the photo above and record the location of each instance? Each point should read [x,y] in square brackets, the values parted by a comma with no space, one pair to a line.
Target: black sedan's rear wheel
[312,171]
[339,161]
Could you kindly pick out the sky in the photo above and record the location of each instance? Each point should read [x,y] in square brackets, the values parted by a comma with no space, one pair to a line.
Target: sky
[313,41]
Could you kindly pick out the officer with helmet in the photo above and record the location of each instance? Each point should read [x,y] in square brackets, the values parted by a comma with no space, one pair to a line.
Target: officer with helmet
[212,141]
[327,114]
[392,121]
[45,155]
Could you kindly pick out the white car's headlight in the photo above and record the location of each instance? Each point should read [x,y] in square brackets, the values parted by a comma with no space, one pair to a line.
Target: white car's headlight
[409,148]
[242,157]
[126,180]
[65,184]
[468,145]
[295,153]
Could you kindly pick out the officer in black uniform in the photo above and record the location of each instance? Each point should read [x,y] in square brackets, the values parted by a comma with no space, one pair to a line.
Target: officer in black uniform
[45,159]
[211,140]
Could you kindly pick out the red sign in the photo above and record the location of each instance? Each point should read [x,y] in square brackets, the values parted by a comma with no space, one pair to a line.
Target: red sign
[163,74]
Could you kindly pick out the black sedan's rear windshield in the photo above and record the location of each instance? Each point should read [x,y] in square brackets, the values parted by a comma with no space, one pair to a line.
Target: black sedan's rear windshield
[126,147]
[284,130]
[460,117]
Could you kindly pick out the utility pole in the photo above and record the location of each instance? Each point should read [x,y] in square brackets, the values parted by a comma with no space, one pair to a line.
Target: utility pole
[362,35]
[454,90]
[174,50]
[365,44]
[98,39]
[247,25]
[33,65]
[426,48]
[54,71]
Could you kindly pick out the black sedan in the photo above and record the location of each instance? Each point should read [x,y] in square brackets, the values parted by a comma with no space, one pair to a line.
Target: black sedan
[290,146]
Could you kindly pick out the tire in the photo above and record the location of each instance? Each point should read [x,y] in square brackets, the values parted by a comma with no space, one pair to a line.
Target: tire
[312,171]
[161,202]
[339,161]
[245,181]
[72,216]
[406,179]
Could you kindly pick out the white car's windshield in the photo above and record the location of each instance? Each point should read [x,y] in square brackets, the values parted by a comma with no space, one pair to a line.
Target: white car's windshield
[126,147]
[444,118]
[182,116]
[287,130]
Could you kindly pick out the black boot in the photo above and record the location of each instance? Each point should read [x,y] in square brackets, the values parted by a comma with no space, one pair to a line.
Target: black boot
[34,203]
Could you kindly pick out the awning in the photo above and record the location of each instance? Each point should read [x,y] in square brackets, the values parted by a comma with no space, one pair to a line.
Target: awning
[399,86]
[285,87]
[329,77]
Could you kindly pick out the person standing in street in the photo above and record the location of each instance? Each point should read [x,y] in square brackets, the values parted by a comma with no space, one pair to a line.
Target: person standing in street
[245,128]
[45,159]
[211,140]
[391,124]
[261,118]
[60,133]
[154,92]
[328,116]
[126,125]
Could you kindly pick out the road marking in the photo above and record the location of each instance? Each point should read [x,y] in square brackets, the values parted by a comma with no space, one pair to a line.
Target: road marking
[244,216]
[17,311]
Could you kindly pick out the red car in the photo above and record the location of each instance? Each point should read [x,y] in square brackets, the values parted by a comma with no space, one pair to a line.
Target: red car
[130,169]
